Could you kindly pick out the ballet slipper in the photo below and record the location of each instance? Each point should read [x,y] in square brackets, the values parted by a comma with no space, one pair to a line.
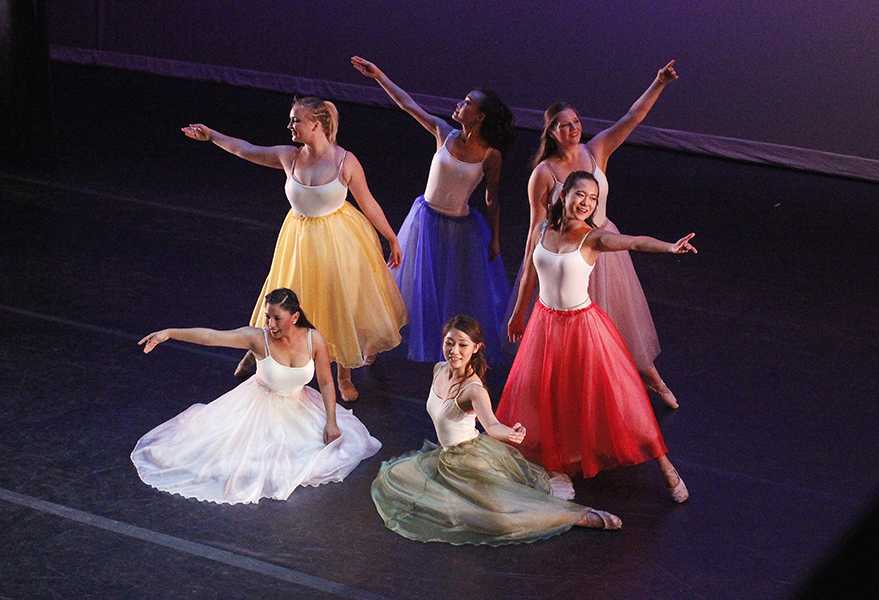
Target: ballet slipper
[665,394]
[347,391]
[246,367]
[599,519]
[678,491]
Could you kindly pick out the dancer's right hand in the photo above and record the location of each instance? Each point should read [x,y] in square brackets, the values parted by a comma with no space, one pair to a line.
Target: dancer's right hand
[518,435]
[197,131]
[366,68]
[154,339]
[516,327]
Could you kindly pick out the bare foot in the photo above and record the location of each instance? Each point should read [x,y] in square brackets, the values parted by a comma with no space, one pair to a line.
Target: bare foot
[347,391]
[665,394]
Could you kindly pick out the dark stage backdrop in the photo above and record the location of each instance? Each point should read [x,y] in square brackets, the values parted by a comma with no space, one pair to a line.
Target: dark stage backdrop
[799,73]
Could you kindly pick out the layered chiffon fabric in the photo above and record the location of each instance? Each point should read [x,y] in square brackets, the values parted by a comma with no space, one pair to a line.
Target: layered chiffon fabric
[615,287]
[481,491]
[334,264]
[446,271]
[575,388]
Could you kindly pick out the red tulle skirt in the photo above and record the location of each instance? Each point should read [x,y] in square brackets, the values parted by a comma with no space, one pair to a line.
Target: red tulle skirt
[575,388]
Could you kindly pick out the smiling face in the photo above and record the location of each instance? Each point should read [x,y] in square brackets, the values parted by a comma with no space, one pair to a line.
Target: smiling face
[279,320]
[467,111]
[458,349]
[581,200]
[567,129]
[302,124]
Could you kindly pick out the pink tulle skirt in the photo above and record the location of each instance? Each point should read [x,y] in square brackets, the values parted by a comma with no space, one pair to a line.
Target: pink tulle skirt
[575,388]
[615,287]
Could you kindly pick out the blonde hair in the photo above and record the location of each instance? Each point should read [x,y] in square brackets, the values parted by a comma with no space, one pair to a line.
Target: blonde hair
[324,112]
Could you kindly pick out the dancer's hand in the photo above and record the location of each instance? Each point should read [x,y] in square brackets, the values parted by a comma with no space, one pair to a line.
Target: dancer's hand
[198,132]
[518,435]
[154,339]
[396,255]
[516,327]
[667,73]
[366,68]
[331,433]
[494,248]
[683,245]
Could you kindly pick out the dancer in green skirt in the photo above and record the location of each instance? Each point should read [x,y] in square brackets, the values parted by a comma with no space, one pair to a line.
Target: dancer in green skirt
[474,488]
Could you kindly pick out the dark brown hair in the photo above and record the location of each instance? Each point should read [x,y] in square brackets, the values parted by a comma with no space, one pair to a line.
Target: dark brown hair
[287,299]
[548,146]
[497,127]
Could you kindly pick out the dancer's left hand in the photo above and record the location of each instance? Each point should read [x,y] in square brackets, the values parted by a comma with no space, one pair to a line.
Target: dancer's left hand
[518,435]
[396,256]
[667,73]
[683,245]
[331,433]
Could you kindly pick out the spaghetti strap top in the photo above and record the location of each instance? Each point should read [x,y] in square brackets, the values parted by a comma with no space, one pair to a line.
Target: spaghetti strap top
[280,378]
[316,200]
[452,424]
[451,181]
[599,217]
[563,277]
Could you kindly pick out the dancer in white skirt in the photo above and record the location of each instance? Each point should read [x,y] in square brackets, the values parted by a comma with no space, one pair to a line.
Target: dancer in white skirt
[268,435]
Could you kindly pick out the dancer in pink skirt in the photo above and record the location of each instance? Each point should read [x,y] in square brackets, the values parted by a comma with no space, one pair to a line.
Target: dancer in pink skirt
[614,285]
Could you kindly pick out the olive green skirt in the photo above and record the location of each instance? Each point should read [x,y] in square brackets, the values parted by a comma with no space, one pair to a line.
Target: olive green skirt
[478,492]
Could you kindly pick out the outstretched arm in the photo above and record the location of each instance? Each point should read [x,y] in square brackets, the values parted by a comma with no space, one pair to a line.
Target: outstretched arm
[606,142]
[478,398]
[438,127]
[267,156]
[604,241]
[246,338]
[356,179]
[325,383]
[492,168]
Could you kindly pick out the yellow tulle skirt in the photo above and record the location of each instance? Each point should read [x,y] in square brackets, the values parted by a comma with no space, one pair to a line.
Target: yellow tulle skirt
[334,264]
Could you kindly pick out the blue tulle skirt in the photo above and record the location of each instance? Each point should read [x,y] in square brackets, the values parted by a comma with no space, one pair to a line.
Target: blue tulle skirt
[446,271]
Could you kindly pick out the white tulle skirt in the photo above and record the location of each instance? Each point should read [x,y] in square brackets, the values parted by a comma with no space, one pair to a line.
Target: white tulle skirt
[251,443]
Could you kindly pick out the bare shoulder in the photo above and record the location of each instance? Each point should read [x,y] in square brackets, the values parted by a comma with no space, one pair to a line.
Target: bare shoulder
[474,393]
[350,166]
[317,339]
[493,160]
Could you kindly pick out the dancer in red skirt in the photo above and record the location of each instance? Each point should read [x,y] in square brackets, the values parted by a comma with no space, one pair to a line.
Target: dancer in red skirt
[573,384]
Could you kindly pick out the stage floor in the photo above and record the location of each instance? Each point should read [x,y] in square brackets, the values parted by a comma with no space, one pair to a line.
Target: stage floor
[769,336]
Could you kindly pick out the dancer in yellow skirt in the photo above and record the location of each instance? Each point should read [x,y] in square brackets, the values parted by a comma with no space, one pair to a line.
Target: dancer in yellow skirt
[327,251]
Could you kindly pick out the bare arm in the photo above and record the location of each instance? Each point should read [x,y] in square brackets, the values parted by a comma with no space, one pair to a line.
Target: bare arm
[540,186]
[438,127]
[606,142]
[275,157]
[478,398]
[246,338]
[600,240]
[356,179]
[492,167]
[325,383]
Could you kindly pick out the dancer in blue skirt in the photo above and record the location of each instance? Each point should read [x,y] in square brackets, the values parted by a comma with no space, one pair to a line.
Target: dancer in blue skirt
[451,256]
